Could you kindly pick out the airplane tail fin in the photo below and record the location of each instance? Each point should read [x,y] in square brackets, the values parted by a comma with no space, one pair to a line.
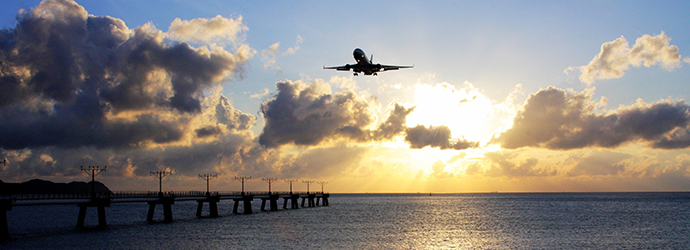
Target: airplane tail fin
[371,60]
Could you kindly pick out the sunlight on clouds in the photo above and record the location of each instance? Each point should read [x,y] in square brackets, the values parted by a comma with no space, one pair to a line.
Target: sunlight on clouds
[464,110]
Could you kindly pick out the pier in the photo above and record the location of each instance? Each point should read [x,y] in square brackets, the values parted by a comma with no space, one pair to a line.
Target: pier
[102,200]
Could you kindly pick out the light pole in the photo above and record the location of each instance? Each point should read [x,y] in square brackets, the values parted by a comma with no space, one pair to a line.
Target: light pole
[93,171]
[290,181]
[243,179]
[160,175]
[308,182]
[207,177]
[322,183]
[269,181]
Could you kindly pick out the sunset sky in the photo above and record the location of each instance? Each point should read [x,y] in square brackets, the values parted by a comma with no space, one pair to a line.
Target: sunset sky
[508,96]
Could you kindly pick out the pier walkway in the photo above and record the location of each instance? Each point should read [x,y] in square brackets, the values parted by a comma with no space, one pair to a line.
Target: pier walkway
[101,200]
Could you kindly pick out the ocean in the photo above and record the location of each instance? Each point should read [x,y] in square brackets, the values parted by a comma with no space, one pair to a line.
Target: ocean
[379,221]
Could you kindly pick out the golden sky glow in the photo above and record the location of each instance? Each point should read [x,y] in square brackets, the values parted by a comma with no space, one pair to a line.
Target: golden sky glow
[490,105]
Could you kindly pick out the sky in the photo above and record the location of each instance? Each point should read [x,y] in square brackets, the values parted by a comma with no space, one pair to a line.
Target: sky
[507,96]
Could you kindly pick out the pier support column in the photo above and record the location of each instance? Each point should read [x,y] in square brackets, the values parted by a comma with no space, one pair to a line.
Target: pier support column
[212,206]
[100,204]
[167,212]
[324,200]
[82,216]
[167,208]
[247,202]
[273,202]
[285,202]
[311,200]
[152,209]
[237,203]
[5,205]
[294,201]
[213,209]
[199,206]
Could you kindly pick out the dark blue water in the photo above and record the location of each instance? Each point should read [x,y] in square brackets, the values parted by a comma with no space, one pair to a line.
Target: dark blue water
[465,221]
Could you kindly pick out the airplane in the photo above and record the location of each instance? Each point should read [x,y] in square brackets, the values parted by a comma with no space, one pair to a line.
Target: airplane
[365,66]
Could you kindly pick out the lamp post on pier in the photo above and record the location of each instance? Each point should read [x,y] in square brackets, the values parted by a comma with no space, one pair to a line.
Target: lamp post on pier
[160,175]
[207,177]
[290,181]
[269,181]
[243,179]
[93,171]
[322,183]
[308,182]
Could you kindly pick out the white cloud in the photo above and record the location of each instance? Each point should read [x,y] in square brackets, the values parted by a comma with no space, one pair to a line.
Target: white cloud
[616,57]
[215,30]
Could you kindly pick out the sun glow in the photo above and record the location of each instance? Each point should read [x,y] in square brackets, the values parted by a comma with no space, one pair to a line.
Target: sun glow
[464,110]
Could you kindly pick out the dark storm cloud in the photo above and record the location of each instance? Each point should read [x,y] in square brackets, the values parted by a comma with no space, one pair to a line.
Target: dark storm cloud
[558,119]
[70,79]
[307,114]
[438,137]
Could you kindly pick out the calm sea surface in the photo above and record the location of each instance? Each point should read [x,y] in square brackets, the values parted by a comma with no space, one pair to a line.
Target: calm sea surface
[396,221]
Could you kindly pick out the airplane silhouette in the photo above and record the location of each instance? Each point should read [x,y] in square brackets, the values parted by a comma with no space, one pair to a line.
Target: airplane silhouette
[365,66]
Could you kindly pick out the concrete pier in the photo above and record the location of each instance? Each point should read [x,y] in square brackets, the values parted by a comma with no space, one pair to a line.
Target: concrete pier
[273,200]
[5,205]
[246,200]
[212,206]
[167,208]
[324,200]
[293,199]
[100,204]
[310,198]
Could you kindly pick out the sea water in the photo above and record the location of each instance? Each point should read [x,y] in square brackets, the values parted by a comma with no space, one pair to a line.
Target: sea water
[378,221]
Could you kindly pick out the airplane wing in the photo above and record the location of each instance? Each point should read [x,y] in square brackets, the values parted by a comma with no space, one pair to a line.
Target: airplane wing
[345,67]
[394,67]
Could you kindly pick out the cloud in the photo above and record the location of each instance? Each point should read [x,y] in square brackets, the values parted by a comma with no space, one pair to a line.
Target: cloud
[558,119]
[270,55]
[70,79]
[308,114]
[438,137]
[438,170]
[502,165]
[259,95]
[217,29]
[598,163]
[616,57]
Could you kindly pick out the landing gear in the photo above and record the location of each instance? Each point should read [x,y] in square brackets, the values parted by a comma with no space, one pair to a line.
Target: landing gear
[376,74]
[355,74]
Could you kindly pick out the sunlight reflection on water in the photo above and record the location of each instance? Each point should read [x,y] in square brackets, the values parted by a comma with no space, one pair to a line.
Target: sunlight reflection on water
[464,221]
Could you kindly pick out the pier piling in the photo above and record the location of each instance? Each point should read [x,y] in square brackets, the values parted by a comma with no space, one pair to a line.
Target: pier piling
[167,208]
[247,202]
[212,206]
[5,205]
[100,204]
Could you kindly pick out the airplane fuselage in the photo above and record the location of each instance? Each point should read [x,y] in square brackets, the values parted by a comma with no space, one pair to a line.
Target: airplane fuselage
[365,65]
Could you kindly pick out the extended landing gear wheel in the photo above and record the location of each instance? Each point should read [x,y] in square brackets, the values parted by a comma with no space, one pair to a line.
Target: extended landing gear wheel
[355,74]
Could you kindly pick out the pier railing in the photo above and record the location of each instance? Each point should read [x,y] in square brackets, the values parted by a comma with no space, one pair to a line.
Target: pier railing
[130,195]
